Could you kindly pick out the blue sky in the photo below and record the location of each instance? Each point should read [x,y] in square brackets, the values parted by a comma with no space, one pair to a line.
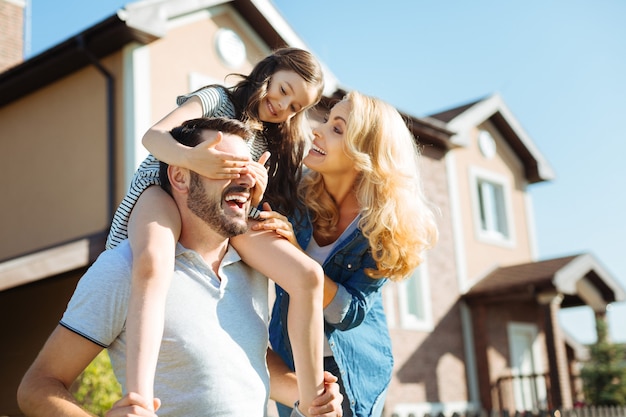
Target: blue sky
[559,65]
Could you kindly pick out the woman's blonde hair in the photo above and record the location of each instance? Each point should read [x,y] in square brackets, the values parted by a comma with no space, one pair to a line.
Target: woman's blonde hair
[396,218]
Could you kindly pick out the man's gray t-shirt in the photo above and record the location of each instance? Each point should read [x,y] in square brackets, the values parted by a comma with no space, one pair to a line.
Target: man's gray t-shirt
[213,354]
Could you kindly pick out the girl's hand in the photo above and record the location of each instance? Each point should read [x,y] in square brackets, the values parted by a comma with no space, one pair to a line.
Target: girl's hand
[211,163]
[273,220]
[259,172]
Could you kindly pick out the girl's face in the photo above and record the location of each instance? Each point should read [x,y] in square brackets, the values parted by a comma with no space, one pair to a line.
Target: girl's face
[327,154]
[287,94]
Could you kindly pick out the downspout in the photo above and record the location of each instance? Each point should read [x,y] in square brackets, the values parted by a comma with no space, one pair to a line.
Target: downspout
[111,148]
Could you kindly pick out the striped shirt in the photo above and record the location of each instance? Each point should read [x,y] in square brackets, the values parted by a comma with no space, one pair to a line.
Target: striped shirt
[215,103]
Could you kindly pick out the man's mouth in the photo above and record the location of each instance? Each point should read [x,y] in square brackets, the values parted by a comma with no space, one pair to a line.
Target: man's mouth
[237,199]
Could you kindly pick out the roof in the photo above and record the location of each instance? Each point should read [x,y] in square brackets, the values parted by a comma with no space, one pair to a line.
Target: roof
[430,131]
[52,261]
[580,279]
[447,115]
[142,22]
[493,108]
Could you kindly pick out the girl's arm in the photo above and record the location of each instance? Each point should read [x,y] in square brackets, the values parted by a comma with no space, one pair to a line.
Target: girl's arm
[203,158]
[153,230]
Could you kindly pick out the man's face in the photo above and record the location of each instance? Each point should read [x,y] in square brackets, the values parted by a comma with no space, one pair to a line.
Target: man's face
[223,204]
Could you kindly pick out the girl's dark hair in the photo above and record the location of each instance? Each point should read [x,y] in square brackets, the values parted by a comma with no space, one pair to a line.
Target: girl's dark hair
[286,141]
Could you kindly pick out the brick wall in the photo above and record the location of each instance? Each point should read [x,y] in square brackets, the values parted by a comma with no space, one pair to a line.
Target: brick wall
[11,33]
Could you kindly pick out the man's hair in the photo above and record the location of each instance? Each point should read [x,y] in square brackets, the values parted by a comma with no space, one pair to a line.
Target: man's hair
[190,134]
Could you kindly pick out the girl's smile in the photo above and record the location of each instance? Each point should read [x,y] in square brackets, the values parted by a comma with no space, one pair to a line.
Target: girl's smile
[287,94]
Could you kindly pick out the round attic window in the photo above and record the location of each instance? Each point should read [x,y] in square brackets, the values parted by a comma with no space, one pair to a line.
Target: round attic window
[230,48]
[487,144]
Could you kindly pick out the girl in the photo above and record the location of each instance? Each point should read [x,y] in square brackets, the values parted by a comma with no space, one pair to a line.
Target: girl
[272,99]
[365,219]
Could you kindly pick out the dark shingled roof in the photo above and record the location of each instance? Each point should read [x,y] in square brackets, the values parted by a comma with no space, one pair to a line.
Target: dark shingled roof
[506,279]
[447,115]
[561,275]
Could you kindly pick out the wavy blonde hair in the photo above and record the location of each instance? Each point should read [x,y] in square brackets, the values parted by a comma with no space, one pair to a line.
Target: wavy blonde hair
[396,218]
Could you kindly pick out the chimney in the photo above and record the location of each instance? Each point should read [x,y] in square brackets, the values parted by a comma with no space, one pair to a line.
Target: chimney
[11,33]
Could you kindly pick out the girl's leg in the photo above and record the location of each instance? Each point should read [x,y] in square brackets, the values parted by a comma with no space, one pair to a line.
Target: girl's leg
[303,279]
[153,230]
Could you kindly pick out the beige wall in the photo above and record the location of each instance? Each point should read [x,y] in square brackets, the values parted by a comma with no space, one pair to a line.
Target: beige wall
[191,50]
[483,256]
[54,159]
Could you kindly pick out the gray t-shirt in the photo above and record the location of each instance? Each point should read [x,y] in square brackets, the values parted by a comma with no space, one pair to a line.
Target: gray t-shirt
[213,353]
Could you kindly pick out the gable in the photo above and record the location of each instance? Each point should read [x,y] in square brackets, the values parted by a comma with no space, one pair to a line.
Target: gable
[463,119]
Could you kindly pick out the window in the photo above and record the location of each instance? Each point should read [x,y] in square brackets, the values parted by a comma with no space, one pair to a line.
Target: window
[492,216]
[492,213]
[414,301]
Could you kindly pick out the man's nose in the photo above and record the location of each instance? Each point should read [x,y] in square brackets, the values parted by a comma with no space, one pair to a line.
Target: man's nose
[246,180]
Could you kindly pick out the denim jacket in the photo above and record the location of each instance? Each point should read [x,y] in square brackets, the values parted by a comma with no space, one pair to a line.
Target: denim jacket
[360,342]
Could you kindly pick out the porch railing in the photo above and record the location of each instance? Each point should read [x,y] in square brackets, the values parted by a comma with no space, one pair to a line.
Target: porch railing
[587,411]
[527,392]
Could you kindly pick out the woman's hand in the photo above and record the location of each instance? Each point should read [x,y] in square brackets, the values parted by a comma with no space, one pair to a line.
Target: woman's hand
[205,160]
[328,404]
[273,220]
[259,172]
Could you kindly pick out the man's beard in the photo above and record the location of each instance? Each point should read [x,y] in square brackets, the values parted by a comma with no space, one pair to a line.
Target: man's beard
[211,211]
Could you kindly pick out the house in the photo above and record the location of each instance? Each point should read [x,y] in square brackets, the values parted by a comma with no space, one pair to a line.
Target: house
[475,326]
[504,302]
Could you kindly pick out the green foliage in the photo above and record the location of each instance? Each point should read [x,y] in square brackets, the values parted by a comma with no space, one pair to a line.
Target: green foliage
[604,375]
[97,388]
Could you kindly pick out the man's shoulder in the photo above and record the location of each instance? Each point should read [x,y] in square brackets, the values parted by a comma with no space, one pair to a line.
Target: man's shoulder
[118,258]
[232,257]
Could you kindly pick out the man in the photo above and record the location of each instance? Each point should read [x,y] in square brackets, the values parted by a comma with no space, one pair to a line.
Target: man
[212,359]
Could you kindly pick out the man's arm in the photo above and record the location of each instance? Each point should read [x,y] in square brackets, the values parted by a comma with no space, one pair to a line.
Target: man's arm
[283,382]
[284,388]
[44,388]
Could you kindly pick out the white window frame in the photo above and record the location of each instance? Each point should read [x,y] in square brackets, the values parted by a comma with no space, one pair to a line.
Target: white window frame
[494,234]
[408,320]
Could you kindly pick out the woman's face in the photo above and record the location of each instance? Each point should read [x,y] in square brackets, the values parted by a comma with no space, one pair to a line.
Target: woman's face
[327,154]
[287,94]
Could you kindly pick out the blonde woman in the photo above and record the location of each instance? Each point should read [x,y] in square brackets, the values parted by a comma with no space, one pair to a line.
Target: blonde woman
[364,217]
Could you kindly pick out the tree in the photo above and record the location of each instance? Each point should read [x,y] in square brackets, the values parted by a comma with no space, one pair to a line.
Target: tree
[604,374]
[97,388]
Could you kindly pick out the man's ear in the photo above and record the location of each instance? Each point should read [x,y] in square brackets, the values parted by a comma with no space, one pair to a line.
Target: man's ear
[179,178]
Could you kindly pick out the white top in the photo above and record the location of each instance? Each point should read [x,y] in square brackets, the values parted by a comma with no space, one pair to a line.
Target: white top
[334,312]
